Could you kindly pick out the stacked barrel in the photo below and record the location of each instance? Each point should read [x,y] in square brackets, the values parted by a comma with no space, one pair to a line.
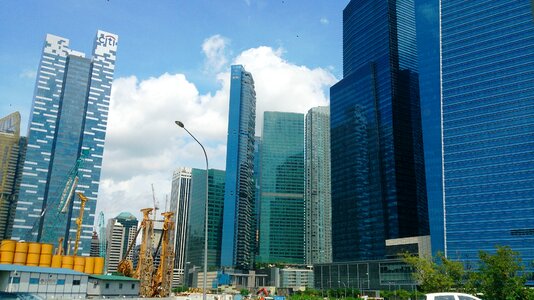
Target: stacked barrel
[40,255]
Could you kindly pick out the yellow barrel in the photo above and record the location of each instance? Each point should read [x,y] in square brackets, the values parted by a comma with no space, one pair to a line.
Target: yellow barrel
[99,266]
[56,261]
[34,248]
[47,249]
[79,263]
[8,245]
[21,249]
[32,259]
[7,251]
[89,265]
[67,262]
[45,260]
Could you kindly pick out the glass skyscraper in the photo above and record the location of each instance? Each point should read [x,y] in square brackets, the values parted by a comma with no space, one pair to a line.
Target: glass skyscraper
[317,195]
[69,114]
[197,206]
[281,234]
[239,224]
[378,175]
[487,102]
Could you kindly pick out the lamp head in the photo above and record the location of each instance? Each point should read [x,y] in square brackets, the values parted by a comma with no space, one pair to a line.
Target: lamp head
[179,123]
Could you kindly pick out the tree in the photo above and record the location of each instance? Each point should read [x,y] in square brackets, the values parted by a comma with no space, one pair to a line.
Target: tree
[500,275]
[244,292]
[433,277]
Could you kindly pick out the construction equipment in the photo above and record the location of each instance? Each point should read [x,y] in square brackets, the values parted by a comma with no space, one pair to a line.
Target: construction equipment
[79,220]
[102,235]
[262,293]
[161,281]
[158,283]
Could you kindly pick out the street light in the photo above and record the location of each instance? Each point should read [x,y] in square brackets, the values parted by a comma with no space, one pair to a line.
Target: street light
[204,282]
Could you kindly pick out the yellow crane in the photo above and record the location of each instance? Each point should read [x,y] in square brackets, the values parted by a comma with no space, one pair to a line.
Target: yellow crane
[79,220]
[161,281]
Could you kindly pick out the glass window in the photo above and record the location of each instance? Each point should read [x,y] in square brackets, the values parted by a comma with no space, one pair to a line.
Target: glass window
[107,285]
[120,285]
[465,298]
[76,282]
[60,282]
[34,280]
[444,298]
[133,286]
[15,280]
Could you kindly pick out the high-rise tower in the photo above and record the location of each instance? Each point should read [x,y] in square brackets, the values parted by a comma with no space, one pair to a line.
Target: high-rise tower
[487,112]
[281,213]
[69,114]
[317,196]
[378,179]
[180,197]
[12,152]
[239,224]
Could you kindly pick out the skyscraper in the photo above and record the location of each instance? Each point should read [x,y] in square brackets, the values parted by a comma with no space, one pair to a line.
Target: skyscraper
[69,114]
[378,179]
[281,234]
[197,206]
[317,195]
[487,102]
[239,224]
[12,152]
[180,196]
[121,232]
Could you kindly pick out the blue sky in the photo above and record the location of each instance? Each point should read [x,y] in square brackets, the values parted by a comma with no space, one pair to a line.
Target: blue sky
[173,60]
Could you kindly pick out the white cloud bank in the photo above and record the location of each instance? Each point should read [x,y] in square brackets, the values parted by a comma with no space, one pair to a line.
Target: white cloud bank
[144,146]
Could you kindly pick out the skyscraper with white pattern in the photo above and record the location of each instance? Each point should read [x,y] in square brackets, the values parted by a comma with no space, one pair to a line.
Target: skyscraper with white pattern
[69,114]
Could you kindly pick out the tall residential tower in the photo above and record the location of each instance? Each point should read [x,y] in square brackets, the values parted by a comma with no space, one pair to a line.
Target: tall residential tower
[69,114]
[317,195]
[239,223]
[378,175]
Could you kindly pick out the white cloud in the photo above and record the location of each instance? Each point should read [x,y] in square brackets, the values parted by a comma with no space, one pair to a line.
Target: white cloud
[144,146]
[214,48]
[28,74]
[324,21]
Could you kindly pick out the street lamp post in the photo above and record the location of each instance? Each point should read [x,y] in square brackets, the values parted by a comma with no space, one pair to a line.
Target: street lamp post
[204,282]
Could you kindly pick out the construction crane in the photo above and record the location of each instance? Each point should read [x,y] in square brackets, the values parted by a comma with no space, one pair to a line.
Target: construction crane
[152,283]
[61,203]
[102,235]
[79,221]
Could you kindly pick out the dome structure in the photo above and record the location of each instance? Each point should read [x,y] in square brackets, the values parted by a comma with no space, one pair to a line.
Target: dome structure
[126,216]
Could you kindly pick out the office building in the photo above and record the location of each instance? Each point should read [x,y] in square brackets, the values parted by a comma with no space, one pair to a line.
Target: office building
[180,195]
[317,196]
[487,102]
[281,234]
[197,207]
[12,152]
[95,245]
[120,233]
[239,224]
[69,115]
[377,163]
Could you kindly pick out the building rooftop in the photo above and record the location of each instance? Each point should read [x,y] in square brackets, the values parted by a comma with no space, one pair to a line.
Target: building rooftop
[19,268]
[126,216]
[113,277]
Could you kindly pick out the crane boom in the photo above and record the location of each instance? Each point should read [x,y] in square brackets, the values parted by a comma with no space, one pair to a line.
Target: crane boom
[79,221]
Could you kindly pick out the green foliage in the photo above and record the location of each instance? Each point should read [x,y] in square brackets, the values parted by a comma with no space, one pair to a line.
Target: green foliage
[244,292]
[499,275]
[433,277]
[180,289]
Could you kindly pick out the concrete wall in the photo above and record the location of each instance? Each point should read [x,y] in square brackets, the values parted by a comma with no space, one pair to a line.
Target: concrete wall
[116,288]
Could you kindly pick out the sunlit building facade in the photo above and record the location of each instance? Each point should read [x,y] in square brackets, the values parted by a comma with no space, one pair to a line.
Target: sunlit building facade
[281,213]
[69,115]
[487,102]
[239,222]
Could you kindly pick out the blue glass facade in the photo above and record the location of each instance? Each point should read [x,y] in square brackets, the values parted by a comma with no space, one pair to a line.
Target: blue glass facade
[281,233]
[197,209]
[427,14]
[487,59]
[69,114]
[239,224]
[378,176]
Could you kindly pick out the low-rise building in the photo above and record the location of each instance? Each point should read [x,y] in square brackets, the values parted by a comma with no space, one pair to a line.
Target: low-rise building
[100,286]
[48,283]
